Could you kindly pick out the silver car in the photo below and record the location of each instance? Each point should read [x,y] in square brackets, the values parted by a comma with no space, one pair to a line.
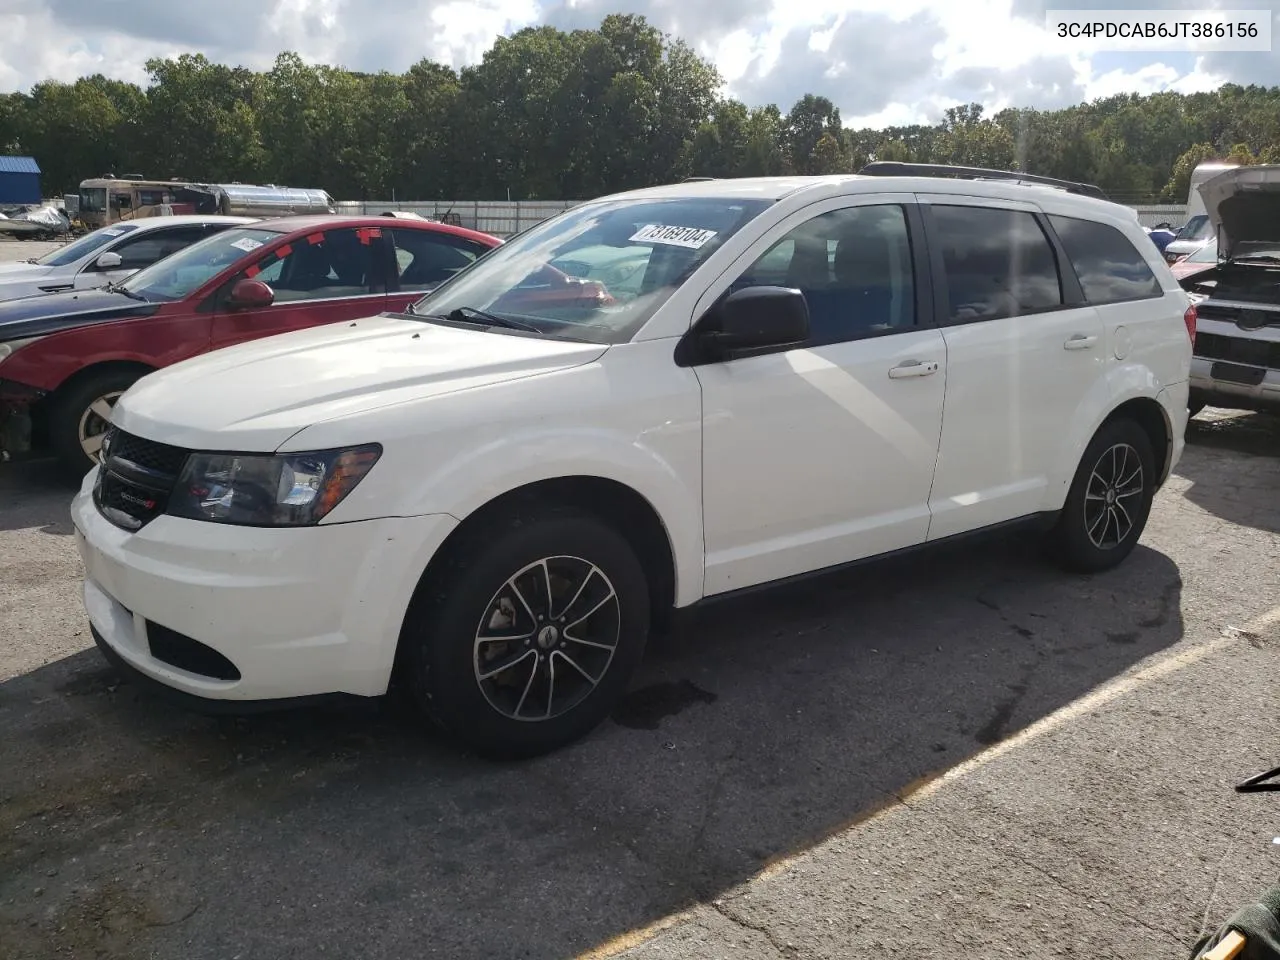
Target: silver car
[109,254]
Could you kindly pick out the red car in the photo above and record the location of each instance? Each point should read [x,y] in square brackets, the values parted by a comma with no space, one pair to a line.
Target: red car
[65,358]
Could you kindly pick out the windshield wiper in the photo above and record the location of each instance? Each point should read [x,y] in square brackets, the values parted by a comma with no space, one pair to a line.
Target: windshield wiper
[472,315]
[118,288]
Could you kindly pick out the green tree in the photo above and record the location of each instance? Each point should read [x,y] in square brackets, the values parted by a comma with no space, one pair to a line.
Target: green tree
[1179,185]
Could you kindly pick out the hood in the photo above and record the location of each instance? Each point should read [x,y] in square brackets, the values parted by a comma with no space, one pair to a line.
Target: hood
[255,396]
[53,312]
[1243,205]
[22,271]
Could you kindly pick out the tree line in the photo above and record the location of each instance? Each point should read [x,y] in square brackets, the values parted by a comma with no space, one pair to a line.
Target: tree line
[549,114]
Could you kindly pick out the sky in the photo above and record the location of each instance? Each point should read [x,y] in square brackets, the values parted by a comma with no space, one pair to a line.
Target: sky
[882,62]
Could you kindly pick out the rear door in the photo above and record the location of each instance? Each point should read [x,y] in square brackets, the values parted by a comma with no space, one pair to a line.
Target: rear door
[1023,352]
[328,276]
[425,259]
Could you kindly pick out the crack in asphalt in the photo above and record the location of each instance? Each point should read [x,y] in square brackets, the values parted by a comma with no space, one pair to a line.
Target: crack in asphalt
[782,949]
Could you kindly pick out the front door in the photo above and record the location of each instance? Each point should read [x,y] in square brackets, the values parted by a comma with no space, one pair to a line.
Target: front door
[329,276]
[1023,351]
[824,454]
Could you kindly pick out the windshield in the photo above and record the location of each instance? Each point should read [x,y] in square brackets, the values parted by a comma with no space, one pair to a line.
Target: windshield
[1206,254]
[83,247]
[176,276]
[1256,249]
[596,272]
[93,199]
[1197,228]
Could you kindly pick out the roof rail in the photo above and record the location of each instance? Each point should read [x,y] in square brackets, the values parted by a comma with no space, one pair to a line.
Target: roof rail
[697,179]
[893,168]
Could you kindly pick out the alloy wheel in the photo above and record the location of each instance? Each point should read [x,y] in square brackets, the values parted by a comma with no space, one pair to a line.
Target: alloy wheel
[94,422]
[1113,496]
[547,638]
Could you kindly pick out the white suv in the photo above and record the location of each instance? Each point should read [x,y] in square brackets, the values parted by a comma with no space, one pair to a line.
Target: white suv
[652,399]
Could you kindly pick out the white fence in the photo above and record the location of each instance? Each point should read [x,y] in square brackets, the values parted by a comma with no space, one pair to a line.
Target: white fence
[498,217]
[503,218]
[1152,214]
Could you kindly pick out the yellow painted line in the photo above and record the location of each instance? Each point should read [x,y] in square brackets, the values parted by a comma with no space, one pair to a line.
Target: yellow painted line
[1087,704]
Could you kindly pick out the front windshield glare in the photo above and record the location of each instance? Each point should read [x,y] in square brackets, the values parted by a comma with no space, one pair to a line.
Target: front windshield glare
[84,246]
[178,275]
[596,272]
[1197,228]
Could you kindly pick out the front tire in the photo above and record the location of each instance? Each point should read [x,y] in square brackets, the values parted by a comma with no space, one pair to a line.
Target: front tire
[1109,501]
[529,636]
[80,415]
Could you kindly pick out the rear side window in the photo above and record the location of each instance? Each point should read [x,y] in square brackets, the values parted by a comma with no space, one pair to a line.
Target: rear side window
[998,263]
[1110,268]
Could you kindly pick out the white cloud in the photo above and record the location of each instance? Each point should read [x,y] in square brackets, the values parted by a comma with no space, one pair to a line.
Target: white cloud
[881,61]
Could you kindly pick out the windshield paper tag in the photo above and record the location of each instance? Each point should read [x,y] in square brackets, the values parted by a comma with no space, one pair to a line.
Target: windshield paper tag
[246,244]
[113,232]
[691,237]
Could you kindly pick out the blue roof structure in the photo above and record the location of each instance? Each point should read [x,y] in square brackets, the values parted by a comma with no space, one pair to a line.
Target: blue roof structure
[19,165]
[19,180]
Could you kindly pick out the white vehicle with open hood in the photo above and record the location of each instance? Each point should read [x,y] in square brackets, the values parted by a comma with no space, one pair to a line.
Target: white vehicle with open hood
[1237,349]
[108,255]
[648,401]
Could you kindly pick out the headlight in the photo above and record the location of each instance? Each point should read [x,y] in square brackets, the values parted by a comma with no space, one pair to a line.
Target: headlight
[285,490]
[6,349]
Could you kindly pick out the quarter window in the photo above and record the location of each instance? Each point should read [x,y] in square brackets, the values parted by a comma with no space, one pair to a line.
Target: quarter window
[426,259]
[998,263]
[853,267]
[1110,269]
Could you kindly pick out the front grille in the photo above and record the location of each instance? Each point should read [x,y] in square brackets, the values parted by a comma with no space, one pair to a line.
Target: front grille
[179,650]
[1250,318]
[148,454]
[1258,353]
[136,479]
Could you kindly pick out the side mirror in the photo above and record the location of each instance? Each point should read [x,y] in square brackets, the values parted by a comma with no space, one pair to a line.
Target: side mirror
[755,318]
[108,261]
[249,294]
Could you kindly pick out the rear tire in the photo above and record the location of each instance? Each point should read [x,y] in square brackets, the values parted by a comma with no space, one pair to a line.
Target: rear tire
[77,421]
[1109,501]
[569,599]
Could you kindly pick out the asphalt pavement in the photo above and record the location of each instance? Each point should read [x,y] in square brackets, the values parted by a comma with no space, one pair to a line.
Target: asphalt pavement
[965,754]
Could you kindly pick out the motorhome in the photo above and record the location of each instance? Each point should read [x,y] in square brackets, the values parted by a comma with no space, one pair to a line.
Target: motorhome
[1197,228]
[109,199]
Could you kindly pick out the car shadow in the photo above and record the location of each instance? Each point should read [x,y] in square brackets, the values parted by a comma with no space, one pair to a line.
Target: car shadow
[36,493]
[129,827]
[1237,489]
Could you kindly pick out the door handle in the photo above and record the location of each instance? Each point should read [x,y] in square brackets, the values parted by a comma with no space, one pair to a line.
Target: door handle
[913,368]
[1080,341]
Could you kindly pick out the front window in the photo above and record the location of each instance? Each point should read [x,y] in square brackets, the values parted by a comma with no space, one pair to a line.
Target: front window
[596,272]
[1197,228]
[177,276]
[84,246]
[93,199]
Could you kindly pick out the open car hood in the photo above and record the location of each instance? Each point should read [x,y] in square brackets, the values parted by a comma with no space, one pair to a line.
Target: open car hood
[1244,207]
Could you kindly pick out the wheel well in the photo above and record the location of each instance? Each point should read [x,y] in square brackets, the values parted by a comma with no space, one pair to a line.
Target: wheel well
[97,369]
[40,409]
[1150,416]
[616,504]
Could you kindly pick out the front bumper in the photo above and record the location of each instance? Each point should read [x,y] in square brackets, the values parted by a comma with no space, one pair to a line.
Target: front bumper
[16,402]
[299,612]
